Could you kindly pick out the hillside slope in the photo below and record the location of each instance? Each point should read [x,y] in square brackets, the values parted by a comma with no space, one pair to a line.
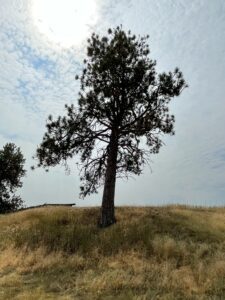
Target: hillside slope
[169,252]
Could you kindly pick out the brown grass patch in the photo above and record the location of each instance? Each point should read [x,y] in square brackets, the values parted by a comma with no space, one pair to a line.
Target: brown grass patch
[151,253]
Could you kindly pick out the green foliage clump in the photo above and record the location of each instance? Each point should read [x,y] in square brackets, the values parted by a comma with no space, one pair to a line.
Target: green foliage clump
[11,172]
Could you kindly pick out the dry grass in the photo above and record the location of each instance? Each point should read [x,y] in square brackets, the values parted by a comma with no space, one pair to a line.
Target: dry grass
[172,252]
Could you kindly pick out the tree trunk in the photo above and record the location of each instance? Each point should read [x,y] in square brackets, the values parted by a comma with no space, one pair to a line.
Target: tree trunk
[107,210]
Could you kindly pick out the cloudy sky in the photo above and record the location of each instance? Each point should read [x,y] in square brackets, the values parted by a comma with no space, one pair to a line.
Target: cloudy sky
[42,46]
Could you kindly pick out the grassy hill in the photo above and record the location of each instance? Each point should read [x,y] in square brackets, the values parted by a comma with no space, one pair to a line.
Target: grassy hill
[172,252]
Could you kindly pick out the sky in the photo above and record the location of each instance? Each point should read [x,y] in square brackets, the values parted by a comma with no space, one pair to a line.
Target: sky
[42,47]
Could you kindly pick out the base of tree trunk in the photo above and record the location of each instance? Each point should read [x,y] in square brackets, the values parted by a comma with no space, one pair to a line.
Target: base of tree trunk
[106,220]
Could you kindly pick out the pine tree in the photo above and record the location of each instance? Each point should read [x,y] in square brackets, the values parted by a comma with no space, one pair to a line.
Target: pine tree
[122,113]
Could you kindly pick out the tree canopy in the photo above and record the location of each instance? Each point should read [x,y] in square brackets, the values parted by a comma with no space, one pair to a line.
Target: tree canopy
[11,173]
[121,115]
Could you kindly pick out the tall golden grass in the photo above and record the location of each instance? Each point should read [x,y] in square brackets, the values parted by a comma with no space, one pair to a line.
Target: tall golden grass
[172,252]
